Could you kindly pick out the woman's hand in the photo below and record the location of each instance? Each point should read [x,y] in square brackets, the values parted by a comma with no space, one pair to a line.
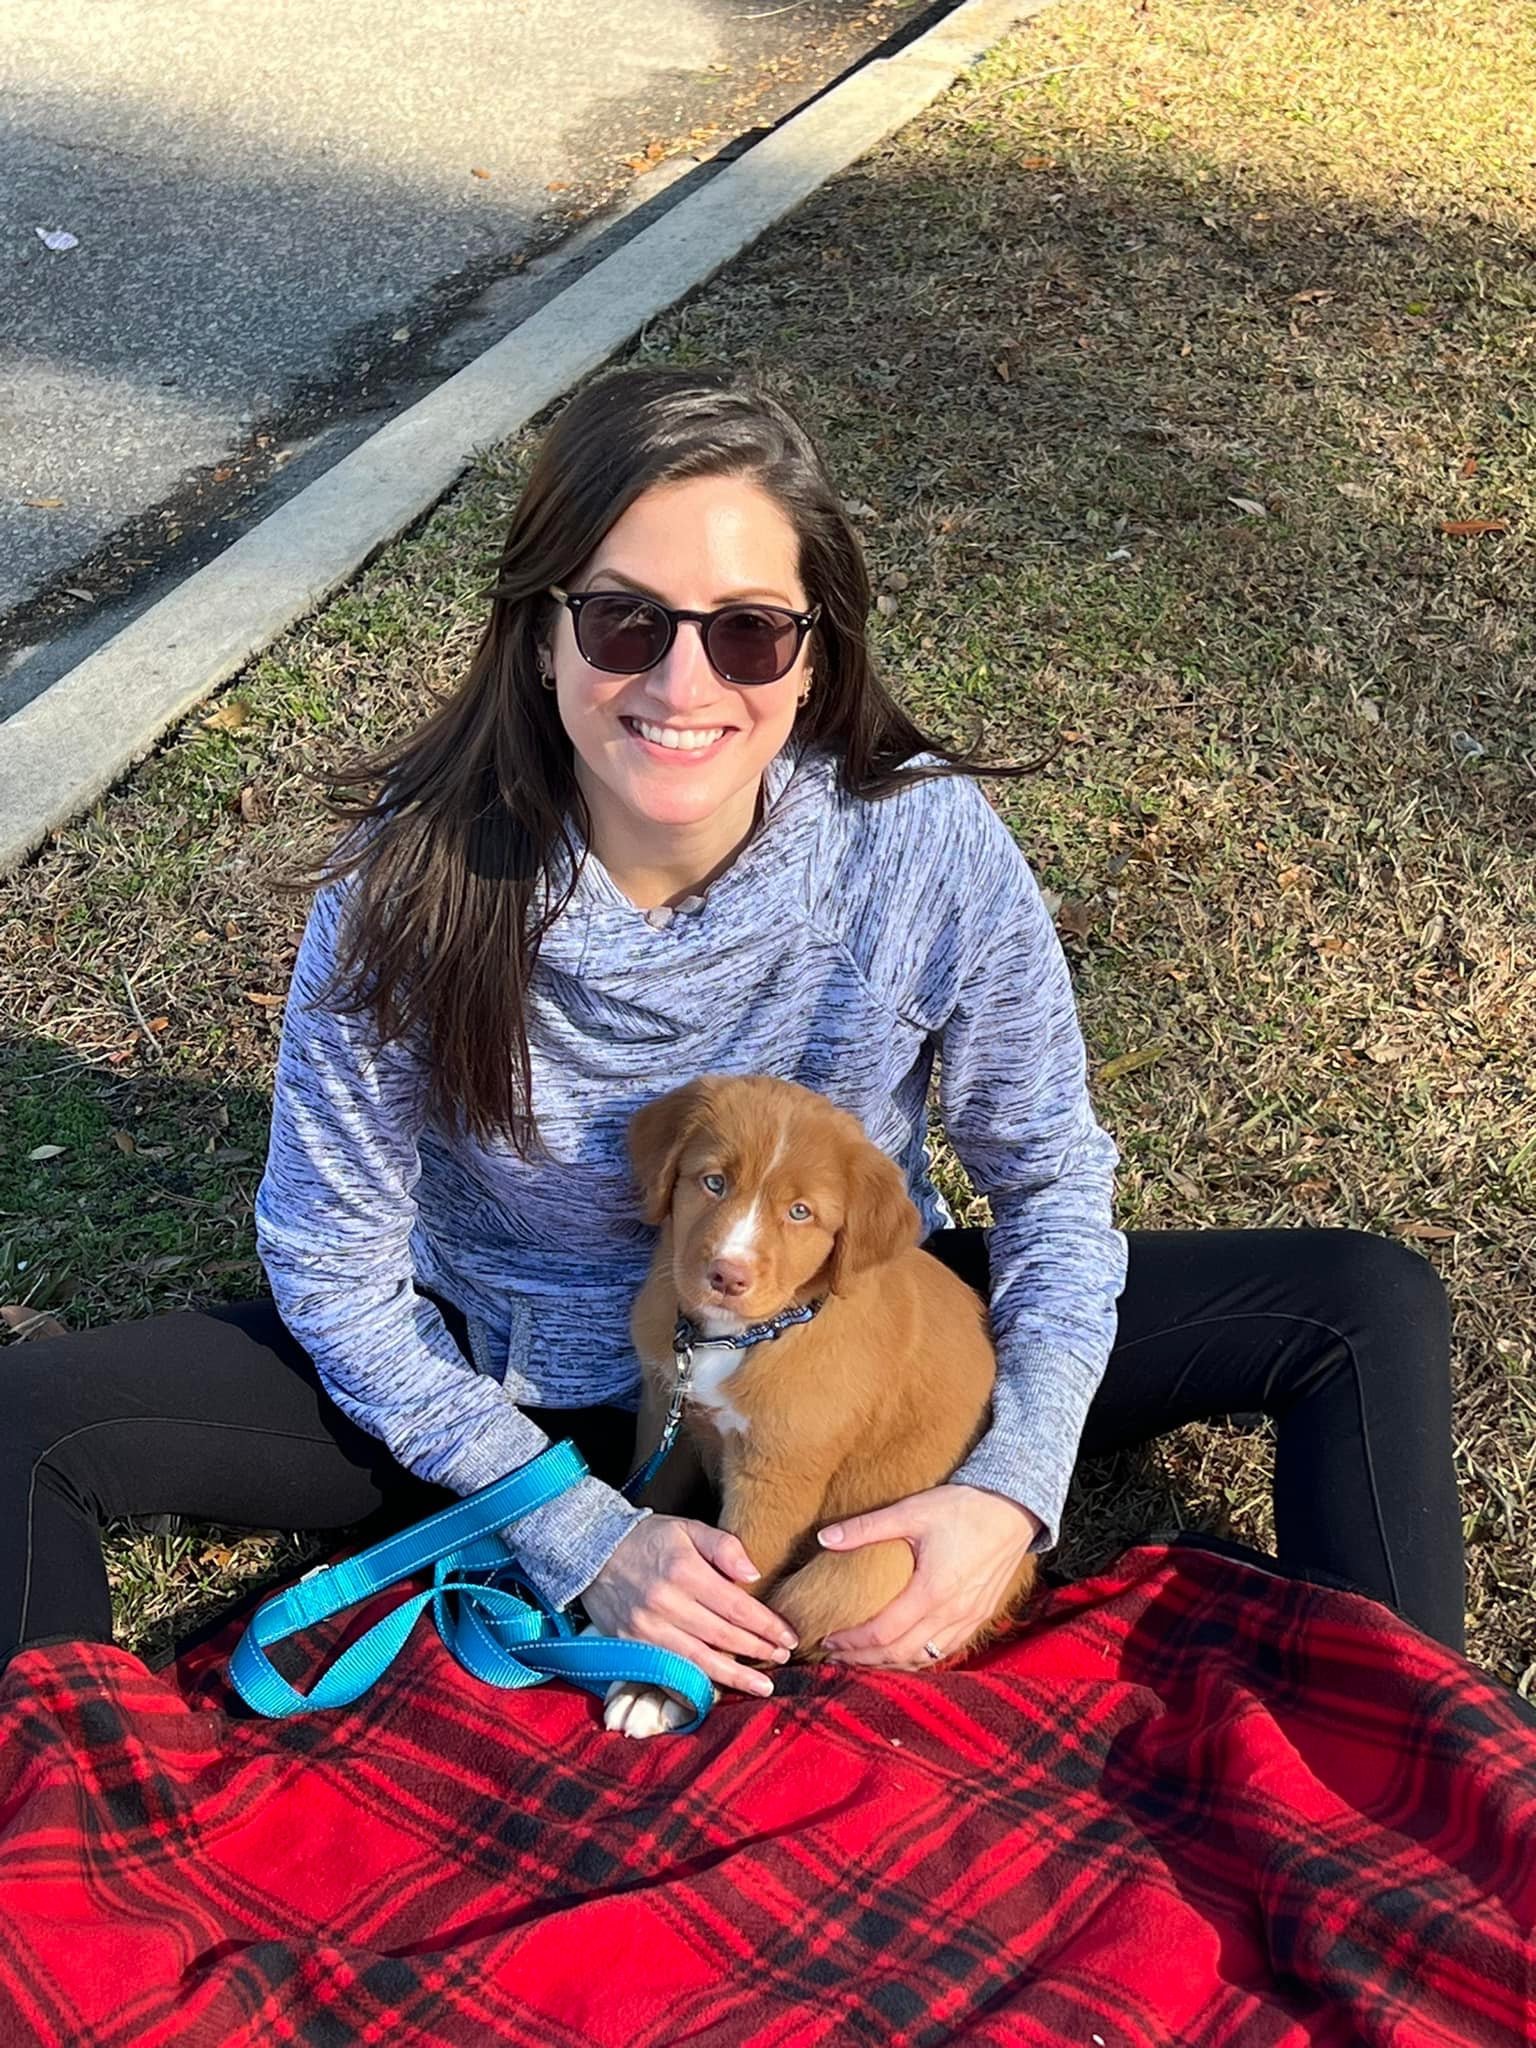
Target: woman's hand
[968,1544]
[672,1582]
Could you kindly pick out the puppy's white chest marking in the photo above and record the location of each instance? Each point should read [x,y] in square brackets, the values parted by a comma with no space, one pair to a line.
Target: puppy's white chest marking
[713,1363]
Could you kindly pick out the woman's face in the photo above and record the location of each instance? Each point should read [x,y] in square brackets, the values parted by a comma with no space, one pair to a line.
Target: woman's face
[695,546]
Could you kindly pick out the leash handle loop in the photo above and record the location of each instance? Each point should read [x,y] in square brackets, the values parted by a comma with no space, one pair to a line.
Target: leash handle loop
[486,1614]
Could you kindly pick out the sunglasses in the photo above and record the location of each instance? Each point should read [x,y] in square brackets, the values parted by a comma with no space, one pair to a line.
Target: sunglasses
[745,643]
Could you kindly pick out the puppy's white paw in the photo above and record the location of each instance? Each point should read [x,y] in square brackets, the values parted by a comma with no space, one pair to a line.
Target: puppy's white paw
[642,1710]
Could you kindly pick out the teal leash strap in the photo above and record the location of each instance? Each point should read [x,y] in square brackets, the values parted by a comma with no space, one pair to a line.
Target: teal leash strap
[500,1635]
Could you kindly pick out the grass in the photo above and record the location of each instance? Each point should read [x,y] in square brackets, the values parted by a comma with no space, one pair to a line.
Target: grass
[1158,355]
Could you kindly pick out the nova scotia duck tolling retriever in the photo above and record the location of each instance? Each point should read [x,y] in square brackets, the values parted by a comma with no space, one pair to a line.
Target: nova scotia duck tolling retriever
[772,1201]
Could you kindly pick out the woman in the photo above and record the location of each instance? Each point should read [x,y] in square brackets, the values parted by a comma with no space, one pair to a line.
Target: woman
[674,824]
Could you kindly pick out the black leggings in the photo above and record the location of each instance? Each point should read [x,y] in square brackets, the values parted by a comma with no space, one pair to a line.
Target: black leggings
[1340,1335]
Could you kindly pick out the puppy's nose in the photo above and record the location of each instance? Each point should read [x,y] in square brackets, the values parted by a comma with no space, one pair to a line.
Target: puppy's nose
[729,1276]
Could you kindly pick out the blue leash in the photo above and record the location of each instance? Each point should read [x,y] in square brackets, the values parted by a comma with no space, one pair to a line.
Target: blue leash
[497,1634]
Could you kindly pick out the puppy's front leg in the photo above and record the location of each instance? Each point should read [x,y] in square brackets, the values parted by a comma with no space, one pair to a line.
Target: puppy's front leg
[772,1515]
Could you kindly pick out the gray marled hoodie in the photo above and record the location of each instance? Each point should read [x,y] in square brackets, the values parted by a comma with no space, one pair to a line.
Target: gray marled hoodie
[846,944]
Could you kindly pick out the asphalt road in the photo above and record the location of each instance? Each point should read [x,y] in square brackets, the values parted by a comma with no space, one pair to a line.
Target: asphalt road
[293,217]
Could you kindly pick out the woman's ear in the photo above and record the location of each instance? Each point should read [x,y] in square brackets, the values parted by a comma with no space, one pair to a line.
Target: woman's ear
[880,1218]
[657,1134]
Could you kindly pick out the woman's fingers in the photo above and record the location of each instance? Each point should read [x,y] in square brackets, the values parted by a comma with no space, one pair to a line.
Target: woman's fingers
[763,1630]
[719,1669]
[728,1620]
[911,1611]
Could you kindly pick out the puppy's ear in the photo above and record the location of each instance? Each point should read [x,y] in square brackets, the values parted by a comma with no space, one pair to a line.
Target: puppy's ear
[657,1134]
[880,1218]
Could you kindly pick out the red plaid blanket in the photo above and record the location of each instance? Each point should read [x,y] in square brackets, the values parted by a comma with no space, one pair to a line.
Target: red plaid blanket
[1195,1802]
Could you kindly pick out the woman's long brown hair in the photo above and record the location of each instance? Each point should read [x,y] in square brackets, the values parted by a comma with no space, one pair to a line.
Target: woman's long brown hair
[444,924]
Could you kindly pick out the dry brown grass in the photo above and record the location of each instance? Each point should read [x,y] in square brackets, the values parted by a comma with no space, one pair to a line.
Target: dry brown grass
[1145,263]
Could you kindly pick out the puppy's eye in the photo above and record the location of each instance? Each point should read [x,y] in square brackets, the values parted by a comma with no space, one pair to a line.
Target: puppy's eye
[799,1212]
[712,1183]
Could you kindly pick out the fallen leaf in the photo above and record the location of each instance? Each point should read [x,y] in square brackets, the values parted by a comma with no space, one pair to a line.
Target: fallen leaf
[266,1002]
[1003,369]
[1074,916]
[252,805]
[1129,1062]
[474,173]
[47,1151]
[1437,1231]
[558,185]
[29,1323]
[1249,505]
[1313,296]
[886,605]
[79,590]
[1463,528]
[1469,467]
[1038,163]
[44,504]
[159,1023]
[123,1140]
[229,717]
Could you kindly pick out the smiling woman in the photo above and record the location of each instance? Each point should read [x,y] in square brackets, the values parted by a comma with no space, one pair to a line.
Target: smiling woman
[673,824]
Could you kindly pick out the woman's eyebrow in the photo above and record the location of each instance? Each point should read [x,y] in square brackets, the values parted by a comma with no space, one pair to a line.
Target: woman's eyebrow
[731,597]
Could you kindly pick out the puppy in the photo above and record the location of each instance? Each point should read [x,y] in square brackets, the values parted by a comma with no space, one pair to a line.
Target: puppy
[770,1198]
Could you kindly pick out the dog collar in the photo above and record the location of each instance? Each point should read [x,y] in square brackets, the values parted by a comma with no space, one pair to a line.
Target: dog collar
[686,1336]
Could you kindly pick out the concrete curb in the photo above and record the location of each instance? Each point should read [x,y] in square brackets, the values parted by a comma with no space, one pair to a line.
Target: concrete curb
[62,750]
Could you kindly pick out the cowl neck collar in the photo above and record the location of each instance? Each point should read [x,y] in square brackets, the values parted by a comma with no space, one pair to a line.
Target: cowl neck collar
[601,933]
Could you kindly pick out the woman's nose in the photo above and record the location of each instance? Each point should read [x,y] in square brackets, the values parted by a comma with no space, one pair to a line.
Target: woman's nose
[684,677]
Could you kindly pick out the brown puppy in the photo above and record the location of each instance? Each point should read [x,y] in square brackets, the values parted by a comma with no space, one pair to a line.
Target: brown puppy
[770,1197]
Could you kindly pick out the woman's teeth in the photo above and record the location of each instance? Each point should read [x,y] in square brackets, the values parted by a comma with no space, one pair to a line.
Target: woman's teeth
[680,742]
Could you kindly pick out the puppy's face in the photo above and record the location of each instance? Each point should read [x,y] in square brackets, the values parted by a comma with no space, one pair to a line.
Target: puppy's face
[773,1194]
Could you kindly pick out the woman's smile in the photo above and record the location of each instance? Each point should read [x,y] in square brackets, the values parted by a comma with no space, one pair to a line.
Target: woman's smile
[678,742]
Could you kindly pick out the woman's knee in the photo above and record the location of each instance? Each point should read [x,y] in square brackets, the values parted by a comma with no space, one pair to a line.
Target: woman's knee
[1391,1294]
[1391,1274]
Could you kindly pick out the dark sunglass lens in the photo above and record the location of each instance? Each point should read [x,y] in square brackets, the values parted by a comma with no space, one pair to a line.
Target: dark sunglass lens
[621,634]
[750,645]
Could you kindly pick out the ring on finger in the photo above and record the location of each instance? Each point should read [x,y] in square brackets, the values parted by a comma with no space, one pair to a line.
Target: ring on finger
[931,1649]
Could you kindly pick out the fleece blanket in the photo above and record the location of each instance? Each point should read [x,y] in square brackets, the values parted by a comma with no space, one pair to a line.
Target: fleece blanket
[1193,1802]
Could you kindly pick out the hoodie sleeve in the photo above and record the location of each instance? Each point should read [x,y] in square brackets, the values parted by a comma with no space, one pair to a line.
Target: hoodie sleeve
[334,1216]
[1015,1106]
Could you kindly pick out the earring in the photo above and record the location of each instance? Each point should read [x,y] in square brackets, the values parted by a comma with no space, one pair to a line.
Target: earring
[805,692]
[546,675]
